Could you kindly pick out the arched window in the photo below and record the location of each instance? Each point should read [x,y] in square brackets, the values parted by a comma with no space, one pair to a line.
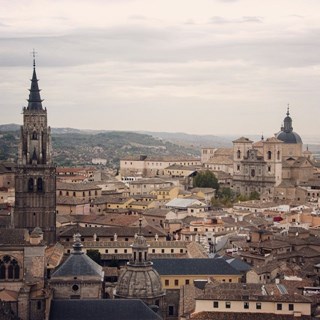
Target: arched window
[9,269]
[10,272]
[253,172]
[34,135]
[2,271]
[39,185]
[269,153]
[278,155]
[238,154]
[30,185]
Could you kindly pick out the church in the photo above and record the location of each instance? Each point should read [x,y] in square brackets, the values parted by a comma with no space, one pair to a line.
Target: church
[272,165]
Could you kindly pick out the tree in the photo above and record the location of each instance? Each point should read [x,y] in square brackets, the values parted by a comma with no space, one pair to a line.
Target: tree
[205,179]
[254,195]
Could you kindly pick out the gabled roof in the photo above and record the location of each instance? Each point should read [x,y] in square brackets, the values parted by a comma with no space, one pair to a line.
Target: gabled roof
[103,309]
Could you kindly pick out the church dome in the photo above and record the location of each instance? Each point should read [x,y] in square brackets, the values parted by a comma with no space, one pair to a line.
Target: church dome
[139,283]
[139,280]
[287,135]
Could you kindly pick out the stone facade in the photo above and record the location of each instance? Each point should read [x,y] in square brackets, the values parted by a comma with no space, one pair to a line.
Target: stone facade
[257,167]
[35,181]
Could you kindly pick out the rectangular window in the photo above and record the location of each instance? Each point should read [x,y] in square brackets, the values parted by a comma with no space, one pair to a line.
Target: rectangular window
[171,310]
[228,305]
[216,304]
[187,281]
[279,306]
[176,282]
[291,306]
[246,305]
[258,306]
[166,282]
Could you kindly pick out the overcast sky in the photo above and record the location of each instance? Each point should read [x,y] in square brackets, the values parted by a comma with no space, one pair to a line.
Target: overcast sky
[195,66]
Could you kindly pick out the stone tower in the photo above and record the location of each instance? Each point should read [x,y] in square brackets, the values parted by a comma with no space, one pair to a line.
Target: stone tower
[35,181]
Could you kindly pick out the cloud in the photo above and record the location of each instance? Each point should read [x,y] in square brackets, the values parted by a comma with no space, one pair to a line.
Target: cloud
[245,19]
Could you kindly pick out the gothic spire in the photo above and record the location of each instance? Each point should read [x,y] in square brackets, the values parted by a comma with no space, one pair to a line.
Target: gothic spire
[34,101]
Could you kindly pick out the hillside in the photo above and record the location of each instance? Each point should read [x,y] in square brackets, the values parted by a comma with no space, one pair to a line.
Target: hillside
[76,147]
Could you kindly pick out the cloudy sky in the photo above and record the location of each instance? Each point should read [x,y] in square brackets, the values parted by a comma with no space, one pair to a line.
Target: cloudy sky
[195,66]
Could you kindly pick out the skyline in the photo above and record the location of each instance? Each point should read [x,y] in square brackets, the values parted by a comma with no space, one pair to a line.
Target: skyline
[211,67]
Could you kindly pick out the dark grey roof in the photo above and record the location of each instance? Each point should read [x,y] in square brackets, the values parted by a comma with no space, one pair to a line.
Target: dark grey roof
[193,267]
[289,137]
[78,264]
[237,264]
[117,309]
[34,101]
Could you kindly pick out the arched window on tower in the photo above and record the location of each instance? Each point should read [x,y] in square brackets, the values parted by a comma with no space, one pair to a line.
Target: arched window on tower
[39,185]
[30,185]
[269,153]
[9,268]
[34,135]
[2,271]
[238,154]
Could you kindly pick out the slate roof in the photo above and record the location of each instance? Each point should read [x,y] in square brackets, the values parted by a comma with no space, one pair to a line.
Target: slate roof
[193,267]
[78,264]
[237,264]
[117,309]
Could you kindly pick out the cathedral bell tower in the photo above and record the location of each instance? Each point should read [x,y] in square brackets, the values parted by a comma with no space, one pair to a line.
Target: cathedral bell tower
[35,185]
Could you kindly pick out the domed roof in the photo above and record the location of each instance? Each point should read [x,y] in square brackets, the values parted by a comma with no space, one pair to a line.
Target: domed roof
[287,135]
[138,279]
[139,282]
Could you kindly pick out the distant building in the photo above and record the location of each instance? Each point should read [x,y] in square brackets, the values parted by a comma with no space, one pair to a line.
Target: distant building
[257,167]
[152,167]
